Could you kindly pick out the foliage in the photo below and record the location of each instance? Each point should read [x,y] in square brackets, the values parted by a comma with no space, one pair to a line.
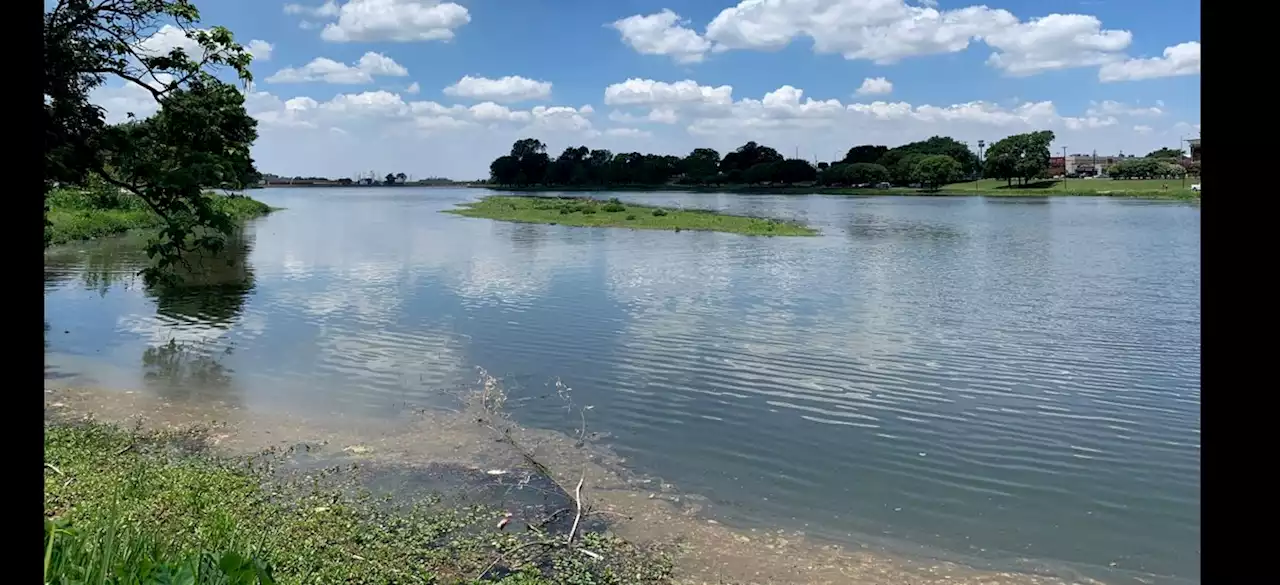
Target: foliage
[936,170]
[75,214]
[904,171]
[130,507]
[1021,156]
[951,147]
[1145,168]
[199,138]
[865,153]
[582,212]
[747,156]
[1174,153]
[854,174]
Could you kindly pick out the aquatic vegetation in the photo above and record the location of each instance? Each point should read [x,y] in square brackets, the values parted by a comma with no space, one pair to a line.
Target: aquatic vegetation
[586,212]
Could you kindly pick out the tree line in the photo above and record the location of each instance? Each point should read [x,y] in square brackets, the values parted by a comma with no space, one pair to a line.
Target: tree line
[930,163]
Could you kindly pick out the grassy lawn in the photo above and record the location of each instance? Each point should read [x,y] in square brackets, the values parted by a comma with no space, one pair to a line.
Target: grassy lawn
[583,212]
[83,215]
[128,506]
[1162,188]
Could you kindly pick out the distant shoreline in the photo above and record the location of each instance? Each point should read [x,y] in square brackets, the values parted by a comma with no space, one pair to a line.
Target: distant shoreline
[950,191]
[331,185]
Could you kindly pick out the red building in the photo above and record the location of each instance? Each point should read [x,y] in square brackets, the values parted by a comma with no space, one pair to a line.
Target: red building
[1057,166]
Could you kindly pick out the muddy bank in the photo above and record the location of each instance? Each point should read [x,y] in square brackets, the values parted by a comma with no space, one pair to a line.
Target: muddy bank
[471,455]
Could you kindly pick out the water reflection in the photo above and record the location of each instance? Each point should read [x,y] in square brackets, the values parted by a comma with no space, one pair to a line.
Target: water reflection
[1013,376]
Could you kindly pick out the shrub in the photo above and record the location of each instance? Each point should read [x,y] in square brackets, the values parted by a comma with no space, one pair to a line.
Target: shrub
[631,217]
[659,213]
[588,210]
[614,207]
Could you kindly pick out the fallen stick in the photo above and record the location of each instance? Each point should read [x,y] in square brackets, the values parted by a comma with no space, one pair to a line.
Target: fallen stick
[577,497]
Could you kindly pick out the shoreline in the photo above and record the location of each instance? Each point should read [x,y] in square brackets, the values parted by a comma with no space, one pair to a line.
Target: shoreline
[1166,195]
[73,217]
[589,212]
[644,511]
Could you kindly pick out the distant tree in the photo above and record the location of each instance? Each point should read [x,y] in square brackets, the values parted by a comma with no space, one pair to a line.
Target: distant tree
[793,170]
[747,156]
[865,153]
[862,173]
[390,179]
[1175,153]
[531,154]
[935,170]
[504,170]
[1021,156]
[760,173]
[934,145]
[701,164]
[822,166]
[903,171]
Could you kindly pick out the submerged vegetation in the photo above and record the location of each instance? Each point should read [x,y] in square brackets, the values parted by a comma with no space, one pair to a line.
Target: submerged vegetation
[586,212]
[82,214]
[131,506]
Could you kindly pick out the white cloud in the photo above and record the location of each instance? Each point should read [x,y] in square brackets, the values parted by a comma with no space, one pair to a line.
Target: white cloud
[413,88]
[635,91]
[166,39]
[1182,59]
[385,20]
[261,50]
[327,10]
[1143,129]
[628,133]
[875,86]
[662,33]
[329,71]
[663,116]
[883,31]
[586,110]
[1114,108]
[511,88]
[1057,41]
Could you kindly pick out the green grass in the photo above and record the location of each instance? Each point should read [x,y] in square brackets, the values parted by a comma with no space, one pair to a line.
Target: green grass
[1145,189]
[83,215]
[132,507]
[584,212]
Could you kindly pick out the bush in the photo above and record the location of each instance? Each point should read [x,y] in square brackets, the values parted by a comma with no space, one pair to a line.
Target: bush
[659,213]
[631,217]
[588,210]
[614,207]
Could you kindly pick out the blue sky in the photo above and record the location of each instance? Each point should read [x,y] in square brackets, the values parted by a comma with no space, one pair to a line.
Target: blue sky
[1104,75]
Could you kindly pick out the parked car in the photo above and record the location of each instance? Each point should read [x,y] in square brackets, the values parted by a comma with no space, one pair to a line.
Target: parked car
[882,185]
[1196,187]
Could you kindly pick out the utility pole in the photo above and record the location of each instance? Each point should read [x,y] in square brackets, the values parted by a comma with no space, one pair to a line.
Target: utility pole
[1064,168]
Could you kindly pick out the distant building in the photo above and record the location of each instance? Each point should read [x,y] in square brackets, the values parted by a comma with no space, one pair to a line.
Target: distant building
[1090,165]
[1057,166]
[1194,145]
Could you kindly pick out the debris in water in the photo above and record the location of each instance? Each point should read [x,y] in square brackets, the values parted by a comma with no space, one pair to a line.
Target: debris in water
[506,519]
[497,472]
[358,449]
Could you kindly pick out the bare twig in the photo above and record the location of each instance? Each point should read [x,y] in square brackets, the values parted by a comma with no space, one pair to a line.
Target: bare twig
[54,468]
[126,449]
[594,555]
[577,497]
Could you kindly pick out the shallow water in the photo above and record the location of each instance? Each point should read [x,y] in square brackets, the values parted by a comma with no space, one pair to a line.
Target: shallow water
[1011,380]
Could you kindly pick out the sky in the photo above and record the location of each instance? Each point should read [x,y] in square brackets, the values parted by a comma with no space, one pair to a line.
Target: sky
[431,88]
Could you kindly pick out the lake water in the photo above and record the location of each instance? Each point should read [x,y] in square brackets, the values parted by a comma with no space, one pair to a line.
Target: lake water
[999,378]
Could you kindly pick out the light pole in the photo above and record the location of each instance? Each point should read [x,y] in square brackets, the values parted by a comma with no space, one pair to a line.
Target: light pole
[981,144]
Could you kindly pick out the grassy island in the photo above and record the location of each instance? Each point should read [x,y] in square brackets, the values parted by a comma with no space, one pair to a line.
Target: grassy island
[87,214]
[586,212]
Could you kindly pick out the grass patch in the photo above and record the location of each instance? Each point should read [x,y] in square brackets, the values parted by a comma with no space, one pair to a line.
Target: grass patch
[585,212]
[127,506]
[83,215]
